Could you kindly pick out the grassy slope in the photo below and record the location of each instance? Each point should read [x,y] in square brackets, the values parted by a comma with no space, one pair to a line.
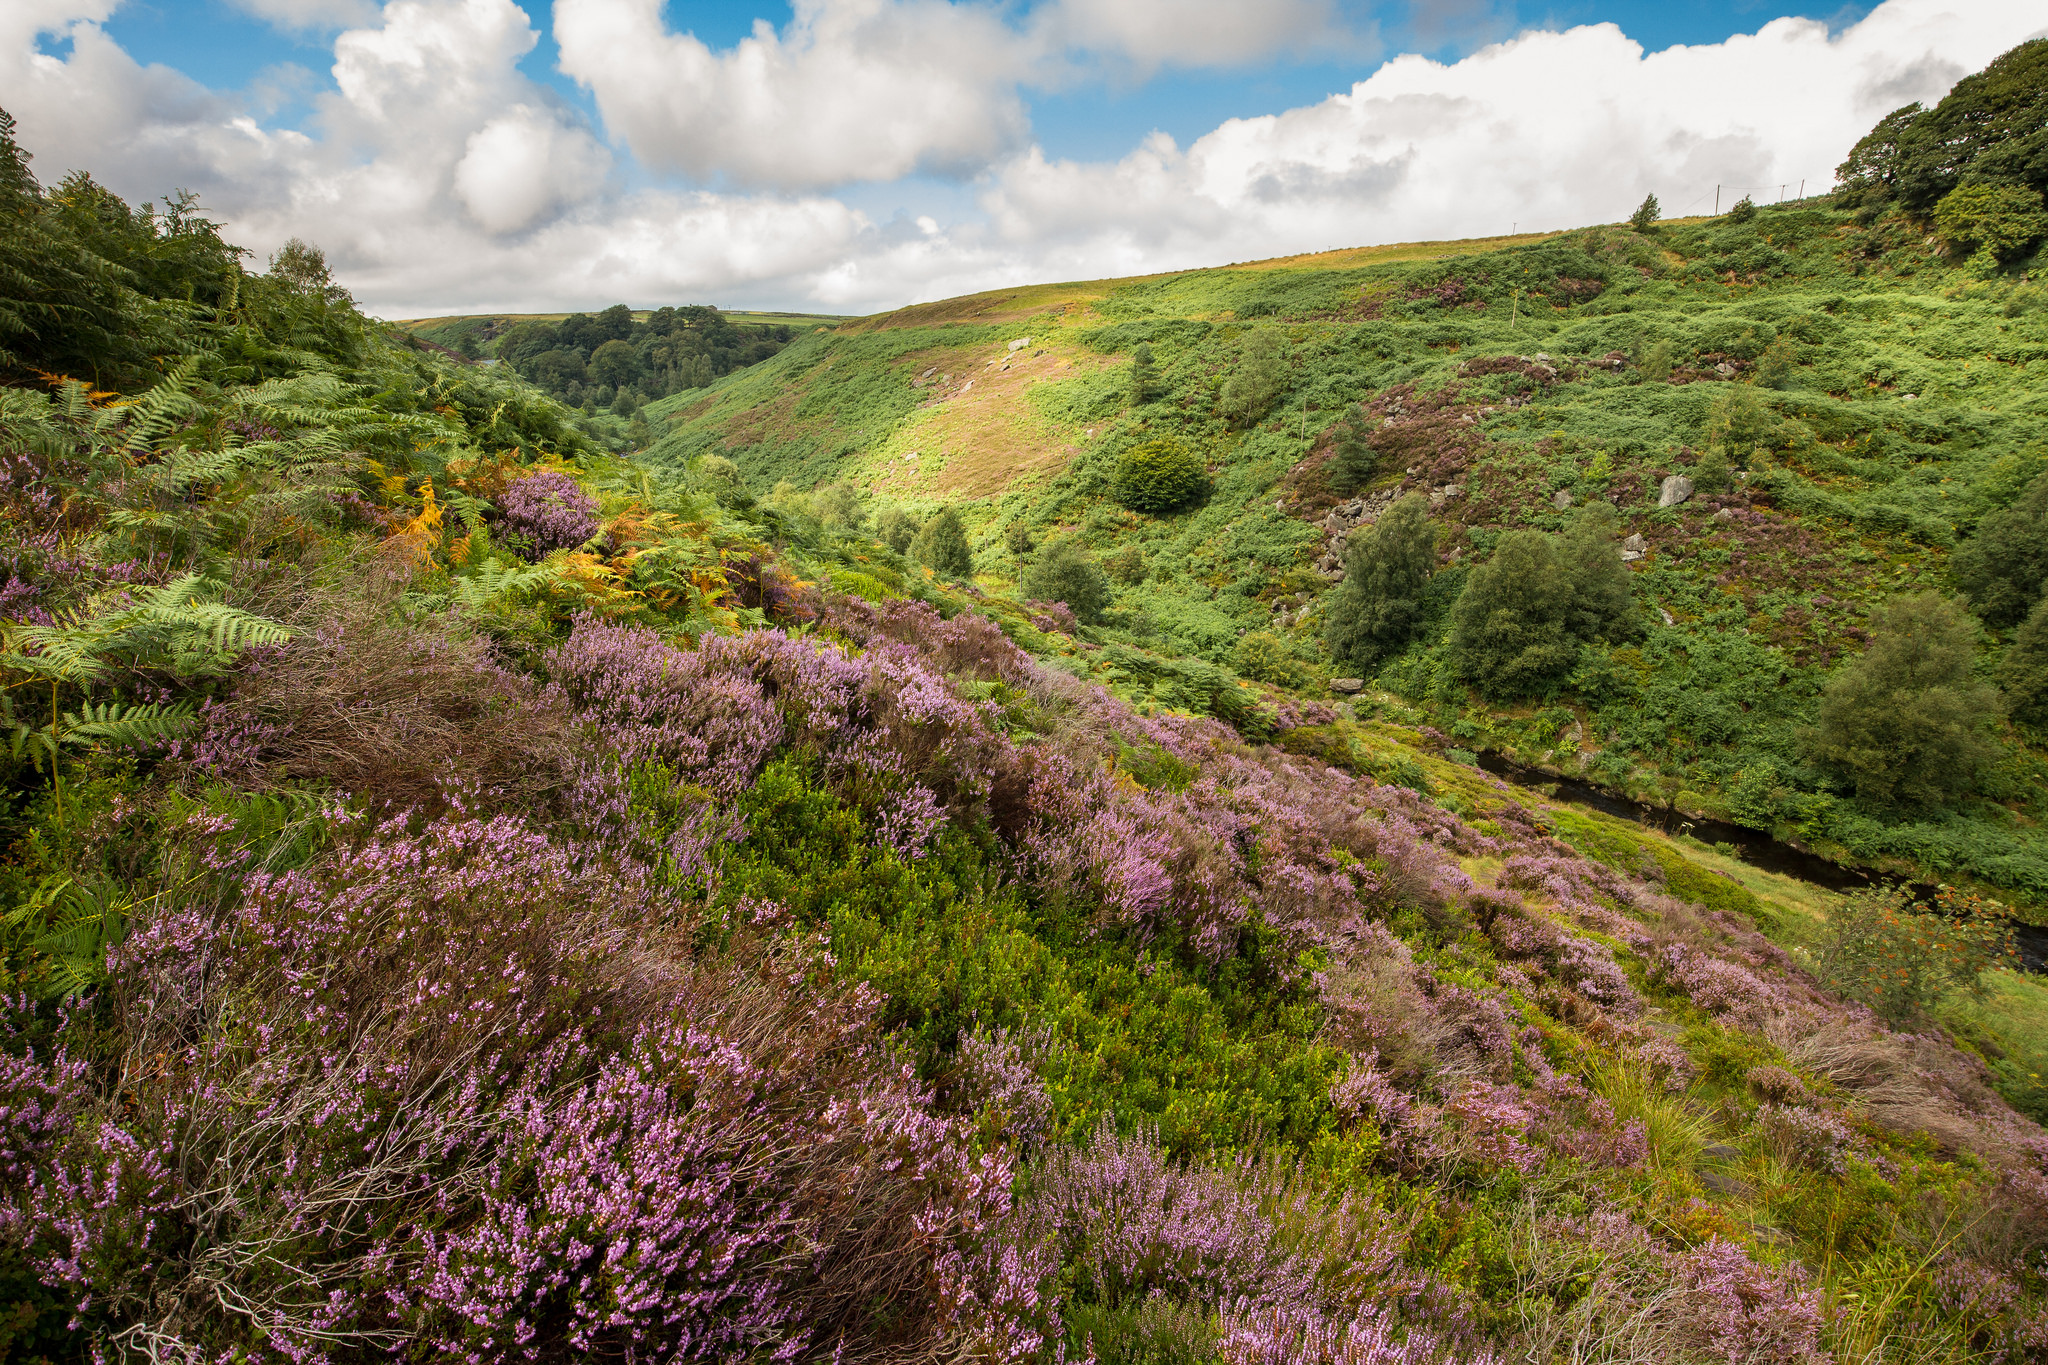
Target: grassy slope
[1862,495]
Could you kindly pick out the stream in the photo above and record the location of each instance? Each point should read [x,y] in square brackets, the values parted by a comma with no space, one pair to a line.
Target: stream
[1758,850]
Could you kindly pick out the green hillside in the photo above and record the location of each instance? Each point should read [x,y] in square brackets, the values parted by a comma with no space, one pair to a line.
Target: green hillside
[1883,400]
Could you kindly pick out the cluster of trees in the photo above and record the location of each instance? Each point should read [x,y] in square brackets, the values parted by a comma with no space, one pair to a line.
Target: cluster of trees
[97,290]
[1976,164]
[610,360]
[1908,723]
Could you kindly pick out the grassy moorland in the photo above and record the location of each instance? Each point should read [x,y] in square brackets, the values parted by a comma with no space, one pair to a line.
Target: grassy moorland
[1884,396]
[471,894]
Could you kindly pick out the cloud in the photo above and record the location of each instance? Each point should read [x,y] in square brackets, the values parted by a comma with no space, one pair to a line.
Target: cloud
[1546,130]
[439,178]
[310,14]
[1153,33]
[850,90]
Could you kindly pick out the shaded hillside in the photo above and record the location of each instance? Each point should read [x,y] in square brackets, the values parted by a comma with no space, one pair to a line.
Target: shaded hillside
[1877,400]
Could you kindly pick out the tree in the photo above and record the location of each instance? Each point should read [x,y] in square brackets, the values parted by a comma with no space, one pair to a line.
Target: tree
[1905,723]
[1774,366]
[1378,607]
[1160,476]
[2023,673]
[1654,362]
[2004,567]
[1645,216]
[896,530]
[1144,376]
[1739,420]
[1744,210]
[614,363]
[1257,381]
[1995,222]
[638,434]
[1018,538]
[1871,173]
[1508,635]
[1352,458]
[1990,129]
[1524,616]
[942,544]
[1602,605]
[1065,572]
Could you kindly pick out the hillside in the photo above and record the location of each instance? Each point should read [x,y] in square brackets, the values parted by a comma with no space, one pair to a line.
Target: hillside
[471,893]
[1881,394]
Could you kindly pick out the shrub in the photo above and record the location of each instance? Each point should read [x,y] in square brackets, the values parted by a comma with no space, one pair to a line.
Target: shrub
[1379,606]
[943,545]
[549,511]
[1352,458]
[1655,361]
[1774,366]
[1744,210]
[1127,566]
[1905,723]
[2004,567]
[1738,421]
[2023,673]
[1994,222]
[1266,657]
[1160,476]
[1645,216]
[1144,377]
[896,529]
[1902,958]
[1066,572]
[1257,381]
[1518,625]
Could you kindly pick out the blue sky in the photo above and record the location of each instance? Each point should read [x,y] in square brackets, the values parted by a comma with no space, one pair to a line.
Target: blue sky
[457,154]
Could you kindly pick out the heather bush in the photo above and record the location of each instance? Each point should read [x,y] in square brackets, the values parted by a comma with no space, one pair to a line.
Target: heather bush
[549,511]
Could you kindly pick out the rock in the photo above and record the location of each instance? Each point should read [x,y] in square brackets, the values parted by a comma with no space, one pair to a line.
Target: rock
[1724,1184]
[1634,548]
[929,373]
[1020,343]
[1725,514]
[1347,685]
[1561,499]
[1725,370]
[1454,490]
[1676,489]
[1720,1151]
[1909,397]
[1668,618]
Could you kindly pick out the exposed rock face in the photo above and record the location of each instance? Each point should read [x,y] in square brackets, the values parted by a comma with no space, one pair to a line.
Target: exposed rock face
[1676,489]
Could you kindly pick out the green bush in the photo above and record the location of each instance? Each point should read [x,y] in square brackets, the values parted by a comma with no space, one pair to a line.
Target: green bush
[1144,380]
[943,545]
[2023,673]
[1379,606]
[1352,458]
[1645,216]
[1518,626]
[1257,381]
[1065,572]
[896,529]
[1994,222]
[2004,567]
[1905,723]
[1744,210]
[1160,476]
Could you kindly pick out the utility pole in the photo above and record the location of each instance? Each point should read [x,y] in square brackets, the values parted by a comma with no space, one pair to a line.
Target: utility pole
[1717,201]
[1802,191]
[1781,194]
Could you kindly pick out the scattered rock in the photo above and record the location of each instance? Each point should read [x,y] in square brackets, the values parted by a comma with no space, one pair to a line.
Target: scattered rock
[1634,548]
[1561,499]
[1669,620]
[1720,1151]
[1725,514]
[1020,343]
[1909,397]
[1347,685]
[1725,370]
[1724,1184]
[1676,489]
[929,373]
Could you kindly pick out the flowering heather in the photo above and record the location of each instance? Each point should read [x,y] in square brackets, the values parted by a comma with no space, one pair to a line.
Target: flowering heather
[1273,1334]
[549,510]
